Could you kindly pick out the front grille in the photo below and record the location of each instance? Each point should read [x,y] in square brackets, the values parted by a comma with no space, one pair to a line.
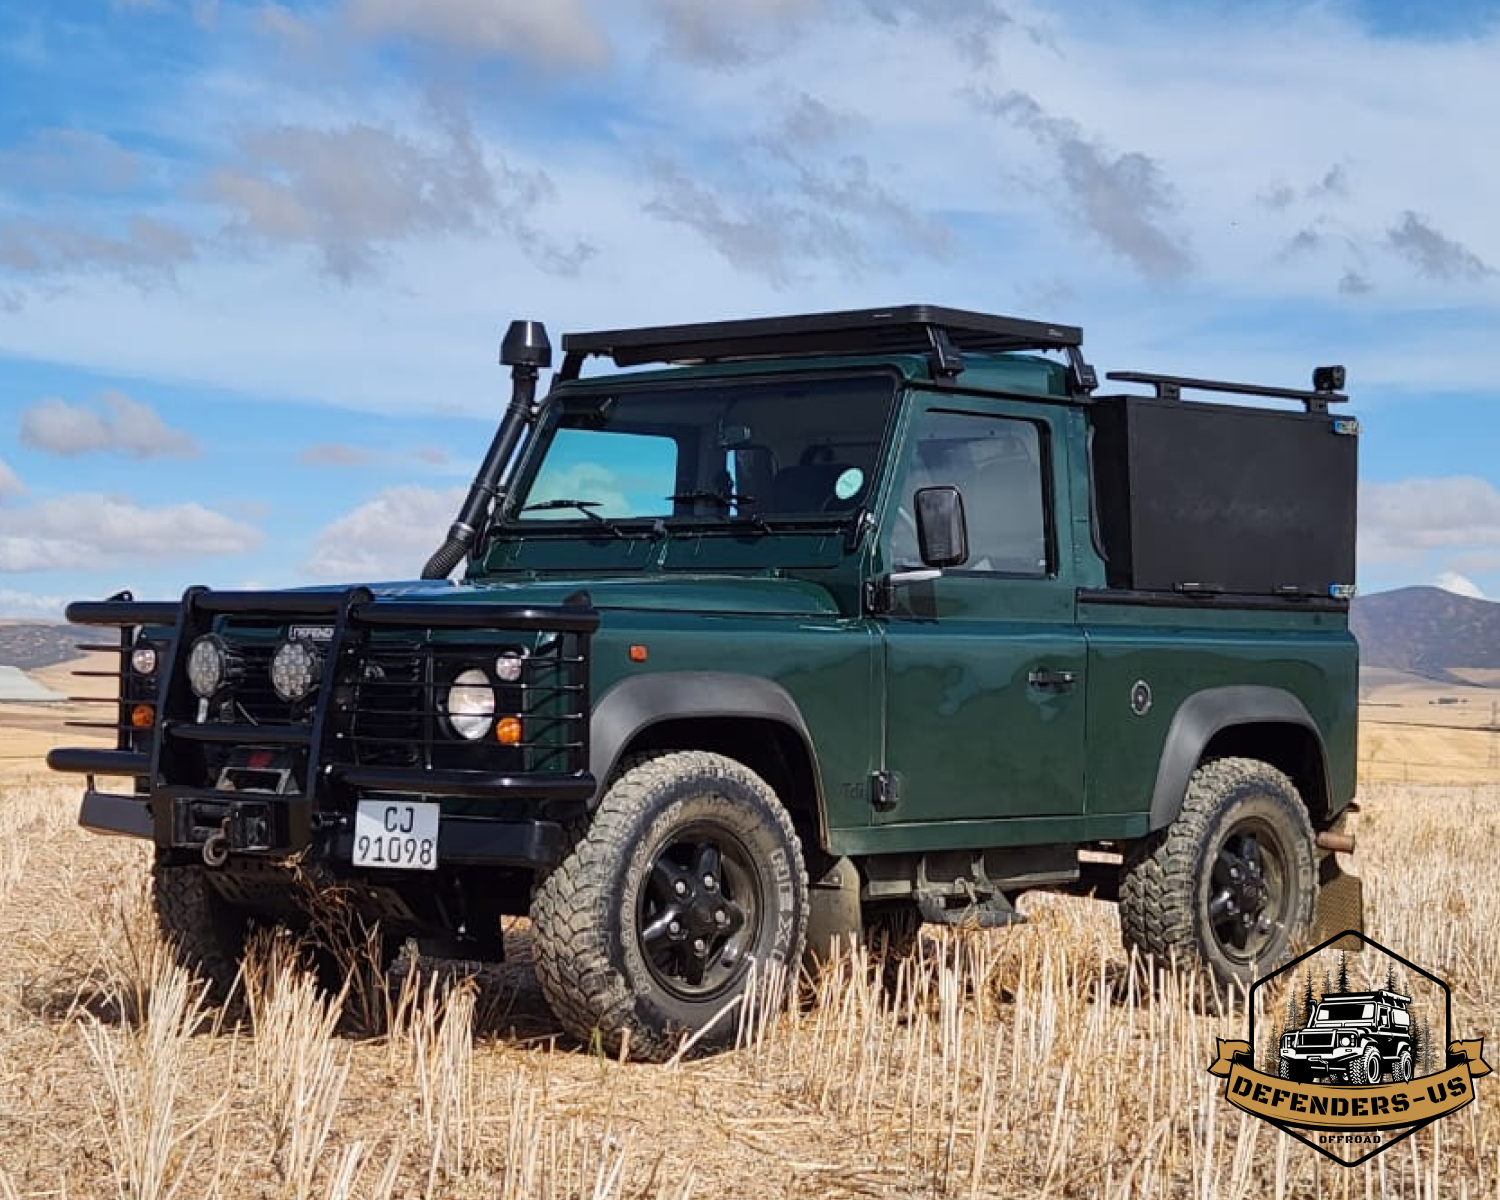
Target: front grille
[396,697]
[1313,1041]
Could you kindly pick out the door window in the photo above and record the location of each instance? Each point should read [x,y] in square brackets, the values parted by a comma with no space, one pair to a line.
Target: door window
[996,463]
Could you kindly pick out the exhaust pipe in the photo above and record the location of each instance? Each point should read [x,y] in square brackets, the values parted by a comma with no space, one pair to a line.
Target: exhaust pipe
[526,351]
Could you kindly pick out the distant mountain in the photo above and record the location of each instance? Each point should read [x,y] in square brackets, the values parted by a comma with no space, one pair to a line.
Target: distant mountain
[1427,631]
[32,646]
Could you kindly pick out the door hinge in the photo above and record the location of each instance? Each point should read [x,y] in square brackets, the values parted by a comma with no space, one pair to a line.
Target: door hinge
[884,791]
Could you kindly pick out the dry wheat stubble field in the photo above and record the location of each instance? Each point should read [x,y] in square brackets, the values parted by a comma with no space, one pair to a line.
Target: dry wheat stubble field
[1012,1063]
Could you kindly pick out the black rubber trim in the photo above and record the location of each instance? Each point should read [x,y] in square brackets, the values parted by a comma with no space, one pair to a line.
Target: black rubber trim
[632,705]
[1213,600]
[1204,714]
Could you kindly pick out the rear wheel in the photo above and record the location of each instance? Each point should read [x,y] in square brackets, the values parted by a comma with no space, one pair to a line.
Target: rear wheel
[688,882]
[1231,883]
[1402,1071]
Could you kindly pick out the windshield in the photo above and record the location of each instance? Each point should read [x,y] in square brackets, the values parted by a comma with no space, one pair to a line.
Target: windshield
[708,451]
[1346,1012]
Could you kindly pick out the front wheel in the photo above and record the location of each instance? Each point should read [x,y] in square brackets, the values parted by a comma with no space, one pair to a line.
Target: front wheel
[1402,1071]
[1366,1068]
[1231,883]
[206,933]
[688,882]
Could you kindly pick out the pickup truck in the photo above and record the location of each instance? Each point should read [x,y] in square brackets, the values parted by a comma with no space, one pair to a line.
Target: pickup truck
[785,632]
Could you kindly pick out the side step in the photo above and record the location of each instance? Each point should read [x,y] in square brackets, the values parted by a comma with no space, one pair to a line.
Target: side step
[983,914]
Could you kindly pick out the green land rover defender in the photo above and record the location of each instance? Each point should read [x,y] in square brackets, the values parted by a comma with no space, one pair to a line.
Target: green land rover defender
[815,628]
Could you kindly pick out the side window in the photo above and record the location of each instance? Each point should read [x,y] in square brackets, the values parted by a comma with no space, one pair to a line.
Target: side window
[997,465]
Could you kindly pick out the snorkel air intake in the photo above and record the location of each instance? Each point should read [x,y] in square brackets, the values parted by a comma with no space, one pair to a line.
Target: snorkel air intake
[526,351]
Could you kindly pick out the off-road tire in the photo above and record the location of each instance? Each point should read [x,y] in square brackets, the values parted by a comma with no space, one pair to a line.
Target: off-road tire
[1166,883]
[1403,1069]
[206,934]
[1365,1069]
[589,915]
[1288,1071]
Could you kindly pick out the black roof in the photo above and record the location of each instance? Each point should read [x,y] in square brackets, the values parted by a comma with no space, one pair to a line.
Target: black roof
[940,333]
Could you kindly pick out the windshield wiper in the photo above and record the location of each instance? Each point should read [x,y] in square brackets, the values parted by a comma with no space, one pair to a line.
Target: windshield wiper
[586,507]
[725,500]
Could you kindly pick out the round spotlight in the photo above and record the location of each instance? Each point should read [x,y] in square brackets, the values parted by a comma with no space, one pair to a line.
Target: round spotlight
[143,660]
[296,668]
[508,666]
[471,704]
[208,666]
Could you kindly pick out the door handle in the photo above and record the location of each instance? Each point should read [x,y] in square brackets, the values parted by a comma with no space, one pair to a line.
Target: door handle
[1060,680]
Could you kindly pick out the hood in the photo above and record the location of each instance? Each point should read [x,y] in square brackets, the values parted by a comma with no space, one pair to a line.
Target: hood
[658,592]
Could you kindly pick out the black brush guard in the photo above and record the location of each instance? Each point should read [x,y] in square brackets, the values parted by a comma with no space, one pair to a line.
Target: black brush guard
[363,733]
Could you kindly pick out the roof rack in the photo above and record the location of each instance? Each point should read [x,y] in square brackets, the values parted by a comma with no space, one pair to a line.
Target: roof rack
[940,333]
[1326,382]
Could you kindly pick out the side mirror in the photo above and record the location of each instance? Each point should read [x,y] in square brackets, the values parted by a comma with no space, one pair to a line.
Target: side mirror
[942,533]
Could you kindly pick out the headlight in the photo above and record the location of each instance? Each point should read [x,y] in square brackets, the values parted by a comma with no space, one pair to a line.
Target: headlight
[143,660]
[508,666]
[471,704]
[296,668]
[1288,1039]
[208,666]
[1346,1040]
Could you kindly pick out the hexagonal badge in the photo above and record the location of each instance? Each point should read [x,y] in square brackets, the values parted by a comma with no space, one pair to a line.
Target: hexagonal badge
[1350,1056]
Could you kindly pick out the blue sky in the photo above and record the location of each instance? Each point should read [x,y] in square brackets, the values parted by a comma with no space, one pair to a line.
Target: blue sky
[255,259]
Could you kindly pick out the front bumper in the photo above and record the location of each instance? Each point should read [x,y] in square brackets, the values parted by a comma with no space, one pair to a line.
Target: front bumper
[270,780]
[465,840]
[1335,1058]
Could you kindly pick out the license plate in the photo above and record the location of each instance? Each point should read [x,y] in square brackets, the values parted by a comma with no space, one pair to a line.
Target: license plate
[396,834]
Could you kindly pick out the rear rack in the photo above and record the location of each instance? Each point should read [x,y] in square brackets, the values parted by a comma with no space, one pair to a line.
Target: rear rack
[1169,387]
[942,334]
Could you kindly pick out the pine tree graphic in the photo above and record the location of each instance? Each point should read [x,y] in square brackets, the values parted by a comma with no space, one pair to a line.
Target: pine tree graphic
[1343,979]
[1309,1003]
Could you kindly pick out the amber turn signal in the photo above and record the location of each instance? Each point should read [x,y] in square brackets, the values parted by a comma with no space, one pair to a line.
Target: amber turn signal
[637,654]
[143,716]
[508,731]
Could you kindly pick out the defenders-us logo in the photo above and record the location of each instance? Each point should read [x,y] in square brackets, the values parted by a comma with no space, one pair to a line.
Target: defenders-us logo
[1350,1053]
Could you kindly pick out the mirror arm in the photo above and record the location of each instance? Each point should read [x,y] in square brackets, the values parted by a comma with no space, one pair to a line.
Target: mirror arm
[880,592]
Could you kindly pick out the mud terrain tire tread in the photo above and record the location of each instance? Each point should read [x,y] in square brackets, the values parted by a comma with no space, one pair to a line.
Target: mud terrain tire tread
[206,935]
[1159,878]
[578,942]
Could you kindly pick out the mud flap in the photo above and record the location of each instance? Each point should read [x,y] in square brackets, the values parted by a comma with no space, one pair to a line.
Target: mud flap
[833,915]
[1341,906]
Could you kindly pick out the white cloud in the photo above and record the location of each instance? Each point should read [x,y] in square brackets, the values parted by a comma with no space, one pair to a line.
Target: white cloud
[10,482]
[114,422]
[1459,585]
[15,603]
[1406,519]
[388,537]
[84,530]
[557,32]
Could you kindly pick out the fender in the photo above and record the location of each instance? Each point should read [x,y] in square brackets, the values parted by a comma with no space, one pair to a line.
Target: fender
[1204,714]
[633,704]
